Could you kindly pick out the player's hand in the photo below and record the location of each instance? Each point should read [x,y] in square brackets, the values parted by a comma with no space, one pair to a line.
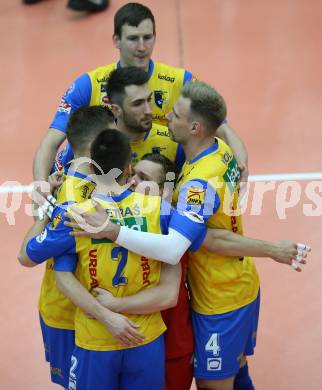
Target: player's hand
[123,329]
[39,192]
[287,252]
[55,181]
[42,200]
[94,223]
[105,298]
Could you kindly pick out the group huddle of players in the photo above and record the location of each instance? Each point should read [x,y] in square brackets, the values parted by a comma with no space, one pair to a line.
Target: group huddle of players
[122,249]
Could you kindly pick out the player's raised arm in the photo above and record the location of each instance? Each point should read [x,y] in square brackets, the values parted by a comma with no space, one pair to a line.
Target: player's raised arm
[46,154]
[161,297]
[77,95]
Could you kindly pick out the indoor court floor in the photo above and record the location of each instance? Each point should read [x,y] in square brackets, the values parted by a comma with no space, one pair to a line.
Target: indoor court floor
[265,59]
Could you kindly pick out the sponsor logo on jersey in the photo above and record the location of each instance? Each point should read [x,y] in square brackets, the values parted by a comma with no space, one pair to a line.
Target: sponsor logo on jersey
[160,118]
[145,271]
[232,175]
[86,191]
[92,267]
[134,223]
[64,106]
[214,364]
[226,158]
[157,149]
[104,88]
[102,80]
[55,222]
[195,196]
[163,133]
[194,216]
[160,98]
[42,236]
[58,164]
[70,89]
[166,78]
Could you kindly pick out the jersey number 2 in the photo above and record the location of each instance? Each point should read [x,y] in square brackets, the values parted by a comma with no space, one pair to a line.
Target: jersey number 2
[119,254]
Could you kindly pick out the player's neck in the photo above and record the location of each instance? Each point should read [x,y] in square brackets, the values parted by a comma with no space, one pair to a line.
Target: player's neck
[113,188]
[124,64]
[133,137]
[80,166]
[193,148]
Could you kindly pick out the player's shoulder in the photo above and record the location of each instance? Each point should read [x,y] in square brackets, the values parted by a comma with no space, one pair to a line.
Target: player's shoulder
[168,73]
[75,188]
[212,161]
[101,73]
[224,152]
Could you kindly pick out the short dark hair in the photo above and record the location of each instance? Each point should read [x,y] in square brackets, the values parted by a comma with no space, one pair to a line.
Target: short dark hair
[166,164]
[86,123]
[121,78]
[132,14]
[110,149]
[206,103]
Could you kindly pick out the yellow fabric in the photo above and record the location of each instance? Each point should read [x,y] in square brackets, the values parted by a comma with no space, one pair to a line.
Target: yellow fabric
[165,82]
[157,139]
[57,310]
[105,264]
[219,283]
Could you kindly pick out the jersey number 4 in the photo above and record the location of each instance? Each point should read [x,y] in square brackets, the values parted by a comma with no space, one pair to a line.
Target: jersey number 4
[119,254]
[213,344]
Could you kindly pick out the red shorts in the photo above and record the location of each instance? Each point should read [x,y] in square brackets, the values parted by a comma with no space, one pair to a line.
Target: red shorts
[179,340]
[178,373]
[179,336]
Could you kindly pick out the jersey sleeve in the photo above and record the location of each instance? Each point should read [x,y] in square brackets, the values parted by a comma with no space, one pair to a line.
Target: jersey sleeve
[197,202]
[53,241]
[77,95]
[62,159]
[66,263]
[187,77]
[165,215]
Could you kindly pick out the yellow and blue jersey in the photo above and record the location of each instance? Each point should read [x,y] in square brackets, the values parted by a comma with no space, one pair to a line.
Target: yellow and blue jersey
[56,310]
[90,90]
[104,264]
[101,263]
[207,188]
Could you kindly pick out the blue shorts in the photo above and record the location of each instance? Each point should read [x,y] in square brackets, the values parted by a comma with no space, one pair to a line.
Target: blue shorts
[138,368]
[222,339]
[59,345]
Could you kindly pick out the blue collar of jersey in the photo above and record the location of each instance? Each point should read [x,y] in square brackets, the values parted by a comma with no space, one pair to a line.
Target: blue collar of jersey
[79,175]
[116,198]
[207,151]
[151,67]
